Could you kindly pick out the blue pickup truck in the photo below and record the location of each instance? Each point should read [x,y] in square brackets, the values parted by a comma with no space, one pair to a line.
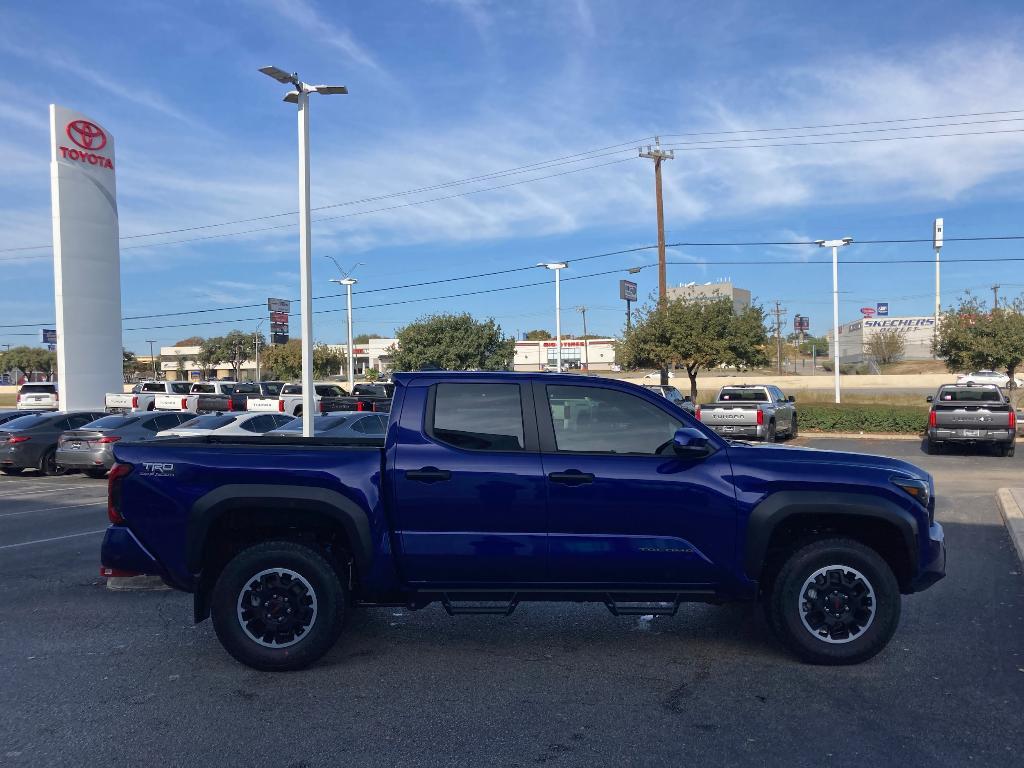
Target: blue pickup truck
[490,489]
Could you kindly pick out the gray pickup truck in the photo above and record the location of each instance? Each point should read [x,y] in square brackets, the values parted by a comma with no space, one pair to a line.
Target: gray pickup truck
[751,410]
[971,414]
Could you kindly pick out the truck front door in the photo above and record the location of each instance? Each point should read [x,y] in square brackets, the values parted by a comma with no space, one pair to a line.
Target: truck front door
[469,495]
[624,509]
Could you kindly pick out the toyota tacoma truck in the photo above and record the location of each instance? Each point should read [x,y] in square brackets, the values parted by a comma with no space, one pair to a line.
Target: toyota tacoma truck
[490,489]
[202,397]
[971,414]
[143,396]
[327,397]
[751,410]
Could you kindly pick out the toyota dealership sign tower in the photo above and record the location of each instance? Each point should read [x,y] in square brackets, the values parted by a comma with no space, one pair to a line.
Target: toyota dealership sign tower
[86,259]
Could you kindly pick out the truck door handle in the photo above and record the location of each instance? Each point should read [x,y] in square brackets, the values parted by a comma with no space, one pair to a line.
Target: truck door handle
[571,477]
[428,475]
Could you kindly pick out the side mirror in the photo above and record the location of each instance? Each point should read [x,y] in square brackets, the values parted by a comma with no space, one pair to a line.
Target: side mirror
[690,443]
[791,399]
[929,399]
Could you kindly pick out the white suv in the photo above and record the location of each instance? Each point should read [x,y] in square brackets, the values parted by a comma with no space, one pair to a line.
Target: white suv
[38,396]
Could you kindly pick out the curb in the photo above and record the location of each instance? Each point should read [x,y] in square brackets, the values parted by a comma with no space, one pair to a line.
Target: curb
[136,583]
[1014,519]
[860,435]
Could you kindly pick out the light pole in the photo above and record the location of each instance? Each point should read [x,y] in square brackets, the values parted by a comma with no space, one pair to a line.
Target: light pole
[586,351]
[937,228]
[152,359]
[835,245]
[300,96]
[348,281]
[256,343]
[557,266]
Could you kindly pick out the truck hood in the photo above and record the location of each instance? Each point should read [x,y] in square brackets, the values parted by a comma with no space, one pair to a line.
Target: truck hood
[819,456]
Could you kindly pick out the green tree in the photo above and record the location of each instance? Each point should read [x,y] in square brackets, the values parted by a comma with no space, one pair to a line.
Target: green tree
[131,367]
[971,337]
[209,355]
[364,338]
[191,341]
[453,342]
[29,360]
[696,335]
[888,345]
[538,334]
[284,361]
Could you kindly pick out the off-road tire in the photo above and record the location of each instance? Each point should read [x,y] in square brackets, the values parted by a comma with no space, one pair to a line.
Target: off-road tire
[235,581]
[769,435]
[794,431]
[783,606]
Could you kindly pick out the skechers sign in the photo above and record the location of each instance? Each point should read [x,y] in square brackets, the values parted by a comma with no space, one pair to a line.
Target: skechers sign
[901,322]
[90,139]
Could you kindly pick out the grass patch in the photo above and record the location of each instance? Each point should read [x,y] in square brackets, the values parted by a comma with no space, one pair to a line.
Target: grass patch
[857,417]
[8,400]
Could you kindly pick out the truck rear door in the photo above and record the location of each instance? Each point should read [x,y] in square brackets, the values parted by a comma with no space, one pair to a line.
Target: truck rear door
[469,494]
[624,510]
[971,411]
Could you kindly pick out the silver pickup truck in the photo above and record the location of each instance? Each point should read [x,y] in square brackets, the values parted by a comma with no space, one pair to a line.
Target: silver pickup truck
[751,410]
[971,414]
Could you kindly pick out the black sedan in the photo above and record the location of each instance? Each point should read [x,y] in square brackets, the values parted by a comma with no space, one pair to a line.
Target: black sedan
[10,415]
[30,442]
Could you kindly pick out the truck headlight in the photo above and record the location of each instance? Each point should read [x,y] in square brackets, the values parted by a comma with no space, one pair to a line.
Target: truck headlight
[919,489]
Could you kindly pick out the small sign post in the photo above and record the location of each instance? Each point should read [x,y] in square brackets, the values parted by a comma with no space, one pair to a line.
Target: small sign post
[627,292]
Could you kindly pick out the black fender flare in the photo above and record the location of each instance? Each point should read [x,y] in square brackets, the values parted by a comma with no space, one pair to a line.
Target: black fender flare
[276,498]
[778,507]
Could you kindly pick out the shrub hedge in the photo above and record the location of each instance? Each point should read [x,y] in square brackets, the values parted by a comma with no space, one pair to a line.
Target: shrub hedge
[856,417]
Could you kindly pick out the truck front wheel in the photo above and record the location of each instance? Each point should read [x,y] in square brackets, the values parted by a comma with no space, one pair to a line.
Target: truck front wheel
[835,601]
[278,606]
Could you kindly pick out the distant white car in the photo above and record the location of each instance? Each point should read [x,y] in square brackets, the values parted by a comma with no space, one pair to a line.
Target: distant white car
[38,396]
[234,423]
[987,377]
[656,375]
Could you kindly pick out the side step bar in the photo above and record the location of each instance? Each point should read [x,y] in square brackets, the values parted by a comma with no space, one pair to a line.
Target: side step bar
[467,608]
[642,608]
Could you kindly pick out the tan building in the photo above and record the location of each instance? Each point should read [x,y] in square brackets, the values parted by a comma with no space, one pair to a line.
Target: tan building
[592,354]
[740,297]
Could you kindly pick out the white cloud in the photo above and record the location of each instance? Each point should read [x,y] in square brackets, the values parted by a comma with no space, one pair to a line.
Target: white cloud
[304,15]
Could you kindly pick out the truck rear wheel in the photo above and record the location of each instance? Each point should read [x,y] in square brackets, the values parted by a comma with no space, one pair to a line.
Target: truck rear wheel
[278,606]
[769,435]
[835,601]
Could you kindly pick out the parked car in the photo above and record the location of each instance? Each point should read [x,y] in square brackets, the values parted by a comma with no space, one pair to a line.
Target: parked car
[494,488]
[987,377]
[202,397]
[751,410]
[235,423]
[673,395]
[38,396]
[328,396]
[6,416]
[89,448]
[340,424]
[31,441]
[971,415]
[143,396]
[656,375]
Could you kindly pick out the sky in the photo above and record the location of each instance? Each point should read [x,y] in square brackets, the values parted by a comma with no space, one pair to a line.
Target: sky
[480,136]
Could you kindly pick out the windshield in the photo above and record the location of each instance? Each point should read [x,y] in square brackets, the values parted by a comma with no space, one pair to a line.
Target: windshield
[111,422]
[744,395]
[211,421]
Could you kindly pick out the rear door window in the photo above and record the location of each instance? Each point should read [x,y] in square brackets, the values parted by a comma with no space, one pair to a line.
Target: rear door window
[180,387]
[478,417]
[38,389]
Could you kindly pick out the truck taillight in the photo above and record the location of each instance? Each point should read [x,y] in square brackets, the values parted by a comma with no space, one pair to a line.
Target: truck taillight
[184,403]
[760,417]
[231,404]
[696,413]
[117,472]
[931,420]
[360,406]
[280,405]
[135,402]
[1013,418]
[320,407]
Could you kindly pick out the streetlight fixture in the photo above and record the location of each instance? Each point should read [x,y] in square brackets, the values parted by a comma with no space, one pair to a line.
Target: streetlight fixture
[300,96]
[348,281]
[835,245]
[152,359]
[256,343]
[557,266]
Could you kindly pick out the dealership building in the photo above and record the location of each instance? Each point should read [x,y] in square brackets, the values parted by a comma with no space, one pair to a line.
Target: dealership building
[918,333]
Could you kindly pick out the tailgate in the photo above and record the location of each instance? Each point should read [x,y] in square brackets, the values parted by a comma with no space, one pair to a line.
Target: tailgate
[263,404]
[170,402]
[724,415]
[972,417]
[116,400]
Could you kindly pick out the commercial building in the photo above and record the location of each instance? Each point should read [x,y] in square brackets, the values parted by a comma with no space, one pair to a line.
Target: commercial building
[854,338]
[740,297]
[592,354]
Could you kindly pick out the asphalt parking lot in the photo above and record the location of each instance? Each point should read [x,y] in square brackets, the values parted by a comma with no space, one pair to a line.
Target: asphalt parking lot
[95,677]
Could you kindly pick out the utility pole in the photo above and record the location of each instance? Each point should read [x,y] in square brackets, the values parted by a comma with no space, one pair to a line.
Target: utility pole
[657,154]
[778,334]
[937,239]
[995,296]
[152,359]
[586,351]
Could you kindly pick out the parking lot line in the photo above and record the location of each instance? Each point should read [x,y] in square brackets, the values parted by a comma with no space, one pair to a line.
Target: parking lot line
[53,509]
[38,491]
[53,538]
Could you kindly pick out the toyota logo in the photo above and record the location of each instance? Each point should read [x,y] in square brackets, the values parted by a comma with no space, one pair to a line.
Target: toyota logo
[86,135]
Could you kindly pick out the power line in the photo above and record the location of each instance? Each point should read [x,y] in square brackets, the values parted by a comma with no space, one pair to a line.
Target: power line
[580,157]
[688,148]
